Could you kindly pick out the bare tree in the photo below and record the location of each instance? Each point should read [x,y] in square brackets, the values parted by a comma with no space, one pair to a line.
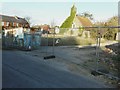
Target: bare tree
[87,14]
[28,19]
[53,23]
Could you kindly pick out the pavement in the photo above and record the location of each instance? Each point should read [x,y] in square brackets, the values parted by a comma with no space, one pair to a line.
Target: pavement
[20,70]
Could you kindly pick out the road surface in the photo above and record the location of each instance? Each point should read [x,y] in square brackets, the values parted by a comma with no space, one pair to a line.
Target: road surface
[24,71]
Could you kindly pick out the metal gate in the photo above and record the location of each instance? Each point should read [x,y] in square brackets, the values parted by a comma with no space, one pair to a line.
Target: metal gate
[102,41]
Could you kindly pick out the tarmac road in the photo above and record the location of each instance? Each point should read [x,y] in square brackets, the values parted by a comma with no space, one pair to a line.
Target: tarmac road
[24,71]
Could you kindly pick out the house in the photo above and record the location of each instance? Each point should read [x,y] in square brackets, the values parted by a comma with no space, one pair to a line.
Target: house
[13,24]
[13,29]
[45,28]
[81,21]
[74,22]
[18,30]
[13,21]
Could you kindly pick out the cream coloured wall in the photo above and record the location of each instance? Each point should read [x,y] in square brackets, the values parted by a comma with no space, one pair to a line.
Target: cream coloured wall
[77,22]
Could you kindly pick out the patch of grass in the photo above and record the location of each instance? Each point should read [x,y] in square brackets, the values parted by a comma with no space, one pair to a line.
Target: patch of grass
[69,40]
[85,41]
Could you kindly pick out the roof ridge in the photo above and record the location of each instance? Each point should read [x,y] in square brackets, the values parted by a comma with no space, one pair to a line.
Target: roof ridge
[11,16]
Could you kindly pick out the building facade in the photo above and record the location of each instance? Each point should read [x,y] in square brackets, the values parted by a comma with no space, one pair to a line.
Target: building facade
[13,22]
[13,25]
[75,21]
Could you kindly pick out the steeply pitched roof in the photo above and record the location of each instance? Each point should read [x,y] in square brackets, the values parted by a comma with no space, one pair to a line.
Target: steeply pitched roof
[12,19]
[84,21]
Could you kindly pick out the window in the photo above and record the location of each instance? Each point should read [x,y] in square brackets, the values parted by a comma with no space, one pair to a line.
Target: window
[7,24]
[2,23]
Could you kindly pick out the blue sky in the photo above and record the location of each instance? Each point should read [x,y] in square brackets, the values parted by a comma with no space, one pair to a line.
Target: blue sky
[46,12]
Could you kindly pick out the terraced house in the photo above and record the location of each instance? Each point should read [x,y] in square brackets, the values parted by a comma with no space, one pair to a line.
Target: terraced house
[13,24]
